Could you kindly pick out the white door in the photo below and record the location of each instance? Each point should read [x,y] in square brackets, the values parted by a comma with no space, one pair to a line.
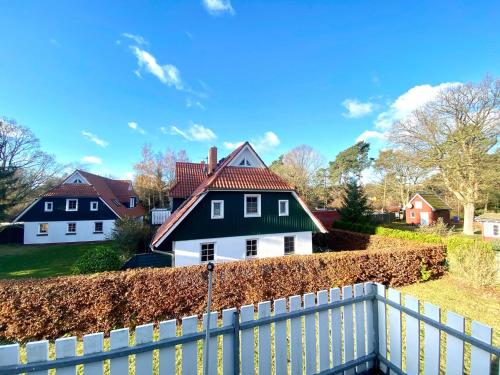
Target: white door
[424,218]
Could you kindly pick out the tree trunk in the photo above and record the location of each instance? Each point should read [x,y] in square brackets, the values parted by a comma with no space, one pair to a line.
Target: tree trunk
[469,219]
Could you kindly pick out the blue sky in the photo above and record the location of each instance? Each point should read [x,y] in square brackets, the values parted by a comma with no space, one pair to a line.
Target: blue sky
[95,80]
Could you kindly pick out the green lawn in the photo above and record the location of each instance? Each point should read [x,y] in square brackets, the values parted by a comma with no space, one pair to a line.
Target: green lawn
[22,261]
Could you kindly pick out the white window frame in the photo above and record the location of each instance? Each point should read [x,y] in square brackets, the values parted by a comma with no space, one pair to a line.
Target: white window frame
[287,205]
[412,215]
[67,204]
[212,209]
[46,207]
[67,227]
[102,224]
[132,202]
[418,205]
[294,245]
[39,232]
[258,213]
[201,246]
[256,250]
[92,206]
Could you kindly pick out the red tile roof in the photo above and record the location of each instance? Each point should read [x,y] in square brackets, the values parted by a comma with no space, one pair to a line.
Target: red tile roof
[71,190]
[188,176]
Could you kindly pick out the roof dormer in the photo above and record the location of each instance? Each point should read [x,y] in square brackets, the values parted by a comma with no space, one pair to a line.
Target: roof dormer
[247,157]
[76,178]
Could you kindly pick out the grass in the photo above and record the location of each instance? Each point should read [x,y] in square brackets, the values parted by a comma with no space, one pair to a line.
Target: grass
[23,261]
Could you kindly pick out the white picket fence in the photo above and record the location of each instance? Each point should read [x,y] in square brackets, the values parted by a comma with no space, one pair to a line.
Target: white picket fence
[159,215]
[346,331]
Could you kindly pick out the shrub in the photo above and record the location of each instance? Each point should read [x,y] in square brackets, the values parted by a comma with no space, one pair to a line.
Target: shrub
[438,228]
[129,236]
[50,308]
[98,259]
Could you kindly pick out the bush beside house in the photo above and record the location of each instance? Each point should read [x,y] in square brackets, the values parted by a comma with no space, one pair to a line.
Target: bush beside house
[78,305]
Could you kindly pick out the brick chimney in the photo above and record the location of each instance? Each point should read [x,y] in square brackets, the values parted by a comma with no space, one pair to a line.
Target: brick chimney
[212,159]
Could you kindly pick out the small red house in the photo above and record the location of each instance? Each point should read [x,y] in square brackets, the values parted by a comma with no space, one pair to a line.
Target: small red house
[426,208]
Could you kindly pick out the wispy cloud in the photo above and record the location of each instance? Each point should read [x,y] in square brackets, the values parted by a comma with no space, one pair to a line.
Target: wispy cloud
[409,101]
[371,134]
[218,7]
[94,138]
[190,103]
[167,74]
[195,132]
[135,126]
[54,42]
[138,39]
[357,109]
[91,160]
[262,144]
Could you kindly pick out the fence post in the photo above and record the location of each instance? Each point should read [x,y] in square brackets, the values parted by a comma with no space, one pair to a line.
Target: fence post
[236,342]
[374,338]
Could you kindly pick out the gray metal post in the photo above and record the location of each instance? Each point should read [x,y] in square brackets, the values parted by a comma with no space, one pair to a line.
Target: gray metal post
[206,352]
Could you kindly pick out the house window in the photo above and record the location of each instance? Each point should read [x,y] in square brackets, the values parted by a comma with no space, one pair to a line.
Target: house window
[94,206]
[418,205]
[71,204]
[412,214]
[245,163]
[132,202]
[251,248]
[71,228]
[289,245]
[283,207]
[98,227]
[217,209]
[495,230]
[49,206]
[252,205]
[207,252]
[43,229]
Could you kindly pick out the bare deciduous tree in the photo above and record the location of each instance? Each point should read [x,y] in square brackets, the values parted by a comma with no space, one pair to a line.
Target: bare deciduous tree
[453,135]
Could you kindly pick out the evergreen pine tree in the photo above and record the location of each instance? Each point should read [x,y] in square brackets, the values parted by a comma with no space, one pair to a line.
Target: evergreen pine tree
[355,207]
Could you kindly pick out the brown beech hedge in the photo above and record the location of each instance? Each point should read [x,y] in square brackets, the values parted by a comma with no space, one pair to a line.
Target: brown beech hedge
[76,305]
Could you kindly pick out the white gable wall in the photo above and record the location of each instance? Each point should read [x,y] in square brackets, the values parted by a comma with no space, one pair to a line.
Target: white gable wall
[74,177]
[187,253]
[249,155]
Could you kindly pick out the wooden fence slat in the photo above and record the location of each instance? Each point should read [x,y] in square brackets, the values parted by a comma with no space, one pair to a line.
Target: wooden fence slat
[480,359]
[65,348]
[247,342]
[38,351]
[310,334]
[227,343]
[280,339]
[144,361]
[336,329]
[295,337]
[93,343]
[348,328]
[264,311]
[323,332]
[370,289]
[166,356]
[395,328]
[431,340]
[118,338]
[382,325]
[454,346]
[412,338]
[190,350]
[212,360]
[9,354]
[359,311]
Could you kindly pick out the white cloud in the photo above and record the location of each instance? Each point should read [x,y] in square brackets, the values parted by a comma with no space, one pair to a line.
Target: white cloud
[167,74]
[195,132]
[94,138]
[371,134]
[54,42]
[136,38]
[261,144]
[218,7]
[91,160]
[163,130]
[134,126]
[194,103]
[405,104]
[128,175]
[356,109]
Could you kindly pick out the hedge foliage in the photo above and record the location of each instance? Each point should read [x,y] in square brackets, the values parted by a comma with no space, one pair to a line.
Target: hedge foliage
[98,259]
[76,305]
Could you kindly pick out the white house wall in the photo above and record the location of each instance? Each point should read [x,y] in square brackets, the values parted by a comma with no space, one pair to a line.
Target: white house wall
[234,248]
[57,232]
[488,230]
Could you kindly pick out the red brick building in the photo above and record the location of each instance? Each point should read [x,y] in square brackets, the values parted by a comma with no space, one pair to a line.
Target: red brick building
[426,208]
